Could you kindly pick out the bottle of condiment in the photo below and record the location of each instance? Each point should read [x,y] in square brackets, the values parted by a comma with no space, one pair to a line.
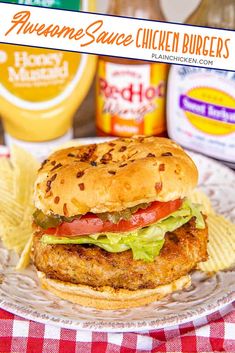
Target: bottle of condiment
[41,89]
[201,101]
[130,94]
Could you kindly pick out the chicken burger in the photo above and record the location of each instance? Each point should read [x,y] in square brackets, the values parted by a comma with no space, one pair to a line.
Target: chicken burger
[114,225]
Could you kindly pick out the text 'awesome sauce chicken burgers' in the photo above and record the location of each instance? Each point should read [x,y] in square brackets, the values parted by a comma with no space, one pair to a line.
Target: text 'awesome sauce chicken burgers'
[114,226]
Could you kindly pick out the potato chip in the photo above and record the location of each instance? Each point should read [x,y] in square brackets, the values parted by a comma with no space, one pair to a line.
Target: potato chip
[17,177]
[15,237]
[6,179]
[199,197]
[25,255]
[221,245]
[25,171]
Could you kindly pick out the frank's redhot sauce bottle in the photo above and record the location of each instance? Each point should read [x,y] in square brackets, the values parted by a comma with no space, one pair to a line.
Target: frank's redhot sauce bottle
[130,94]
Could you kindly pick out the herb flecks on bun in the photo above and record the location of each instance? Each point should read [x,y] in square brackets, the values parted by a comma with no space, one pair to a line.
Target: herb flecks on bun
[116,215]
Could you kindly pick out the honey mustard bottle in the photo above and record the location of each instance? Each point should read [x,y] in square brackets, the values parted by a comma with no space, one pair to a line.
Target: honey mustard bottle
[130,94]
[41,89]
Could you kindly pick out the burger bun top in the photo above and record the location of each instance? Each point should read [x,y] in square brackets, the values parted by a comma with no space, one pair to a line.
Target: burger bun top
[114,175]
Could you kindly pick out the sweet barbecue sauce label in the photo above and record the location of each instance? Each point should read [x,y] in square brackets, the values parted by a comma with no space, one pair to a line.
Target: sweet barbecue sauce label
[131,98]
[201,110]
[209,110]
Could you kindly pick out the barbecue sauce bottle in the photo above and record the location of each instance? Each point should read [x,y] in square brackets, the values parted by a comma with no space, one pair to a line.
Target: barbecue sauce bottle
[130,94]
[201,101]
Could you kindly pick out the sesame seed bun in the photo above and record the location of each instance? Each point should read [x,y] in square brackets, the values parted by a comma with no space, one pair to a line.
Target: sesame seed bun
[109,298]
[114,175]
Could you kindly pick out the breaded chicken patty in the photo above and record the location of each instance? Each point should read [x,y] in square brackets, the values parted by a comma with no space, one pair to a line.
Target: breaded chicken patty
[93,266]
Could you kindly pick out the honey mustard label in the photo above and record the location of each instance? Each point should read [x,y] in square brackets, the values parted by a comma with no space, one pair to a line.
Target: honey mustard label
[131,98]
[36,75]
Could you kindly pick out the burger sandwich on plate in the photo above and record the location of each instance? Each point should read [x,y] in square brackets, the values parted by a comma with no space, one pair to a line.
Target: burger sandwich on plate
[113,226]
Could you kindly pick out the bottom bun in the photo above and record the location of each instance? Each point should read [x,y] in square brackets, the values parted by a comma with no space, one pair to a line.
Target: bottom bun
[109,298]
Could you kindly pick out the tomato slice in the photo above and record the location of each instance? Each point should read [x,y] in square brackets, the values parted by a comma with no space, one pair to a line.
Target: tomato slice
[91,224]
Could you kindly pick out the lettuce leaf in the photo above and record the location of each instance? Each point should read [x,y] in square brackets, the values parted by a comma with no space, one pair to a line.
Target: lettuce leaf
[145,243]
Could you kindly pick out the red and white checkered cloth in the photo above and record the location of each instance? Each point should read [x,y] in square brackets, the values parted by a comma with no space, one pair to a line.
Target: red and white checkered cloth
[216,332]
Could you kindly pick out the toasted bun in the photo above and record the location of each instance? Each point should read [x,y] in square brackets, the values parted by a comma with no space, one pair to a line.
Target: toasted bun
[114,175]
[108,298]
